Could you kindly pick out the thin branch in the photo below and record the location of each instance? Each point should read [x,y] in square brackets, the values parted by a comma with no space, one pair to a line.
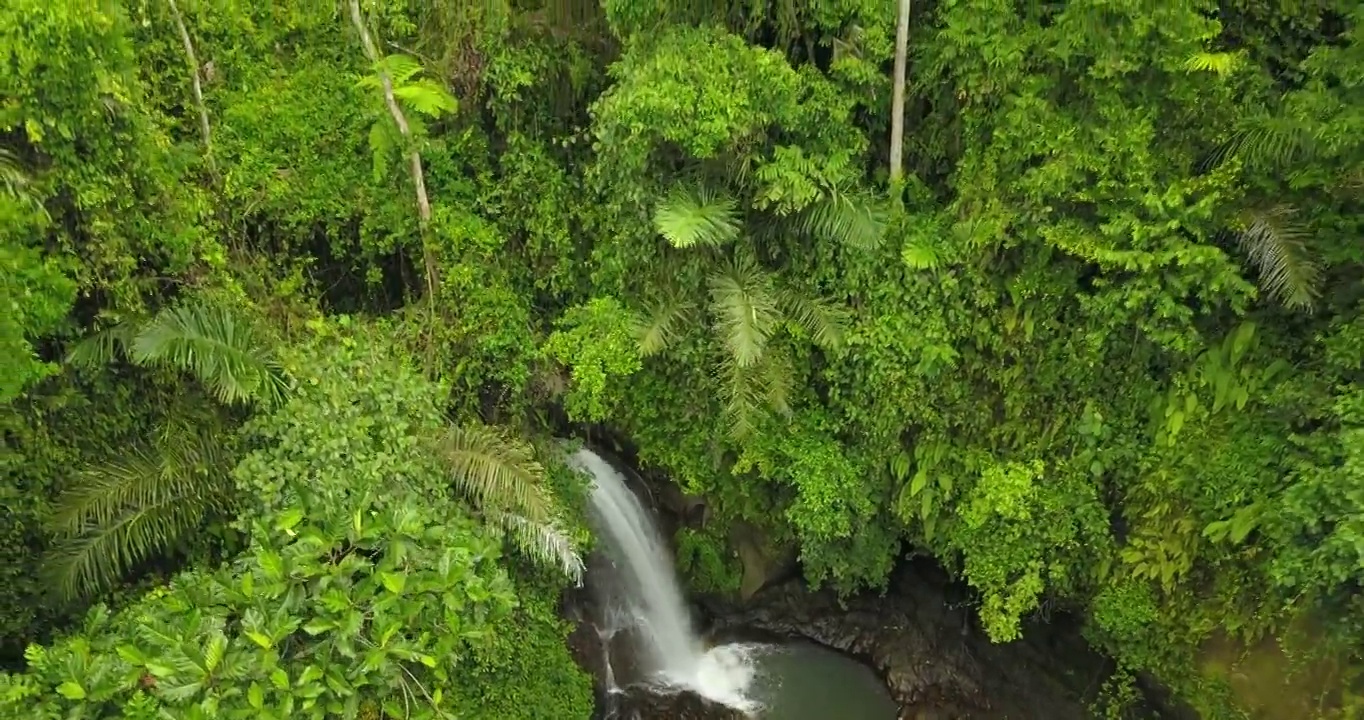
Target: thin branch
[418,177]
[197,84]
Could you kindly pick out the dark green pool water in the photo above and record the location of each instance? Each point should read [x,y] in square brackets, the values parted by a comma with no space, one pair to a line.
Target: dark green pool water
[804,681]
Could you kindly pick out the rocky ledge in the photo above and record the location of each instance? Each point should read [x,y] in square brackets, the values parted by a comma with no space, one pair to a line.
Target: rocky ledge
[935,661]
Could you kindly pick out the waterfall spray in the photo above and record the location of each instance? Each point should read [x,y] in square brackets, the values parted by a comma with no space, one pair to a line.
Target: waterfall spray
[645,586]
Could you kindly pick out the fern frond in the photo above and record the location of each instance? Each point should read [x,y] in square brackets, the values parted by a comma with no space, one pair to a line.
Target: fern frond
[919,255]
[218,348]
[545,543]
[496,471]
[823,321]
[853,220]
[697,216]
[427,97]
[125,511]
[745,308]
[400,67]
[1277,246]
[1221,63]
[383,141]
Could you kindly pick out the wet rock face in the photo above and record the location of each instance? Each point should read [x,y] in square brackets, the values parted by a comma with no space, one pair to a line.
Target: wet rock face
[638,704]
[936,663]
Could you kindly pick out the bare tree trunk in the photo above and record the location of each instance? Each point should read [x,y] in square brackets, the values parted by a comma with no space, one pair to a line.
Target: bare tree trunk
[897,110]
[414,157]
[197,84]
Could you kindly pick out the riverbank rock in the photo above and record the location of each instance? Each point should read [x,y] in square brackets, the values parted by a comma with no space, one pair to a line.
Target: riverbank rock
[936,663]
[640,704]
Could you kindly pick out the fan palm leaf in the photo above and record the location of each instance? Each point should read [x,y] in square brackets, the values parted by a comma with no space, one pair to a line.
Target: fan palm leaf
[134,508]
[691,216]
[743,301]
[217,347]
[1277,246]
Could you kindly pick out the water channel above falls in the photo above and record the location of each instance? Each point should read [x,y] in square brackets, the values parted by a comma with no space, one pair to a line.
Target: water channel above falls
[648,638]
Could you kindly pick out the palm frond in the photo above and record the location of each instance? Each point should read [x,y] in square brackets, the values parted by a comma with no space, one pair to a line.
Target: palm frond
[496,471]
[822,320]
[95,560]
[125,511]
[851,219]
[217,347]
[744,303]
[99,349]
[1277,246]
[545,543]
[744,405]
[17,182]
[688,217]
[1265,141]
[778,378]
[656,329]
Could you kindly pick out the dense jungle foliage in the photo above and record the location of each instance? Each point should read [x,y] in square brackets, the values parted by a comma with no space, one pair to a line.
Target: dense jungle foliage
[296,294]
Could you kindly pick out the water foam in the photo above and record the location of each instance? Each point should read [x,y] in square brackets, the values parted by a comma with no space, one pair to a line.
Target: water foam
[645,581]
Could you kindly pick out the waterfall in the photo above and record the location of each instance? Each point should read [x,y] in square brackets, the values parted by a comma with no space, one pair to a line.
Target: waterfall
[644,590]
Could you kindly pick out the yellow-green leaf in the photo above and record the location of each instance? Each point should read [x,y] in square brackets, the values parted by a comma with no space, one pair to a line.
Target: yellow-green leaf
[393,582]
[260,639]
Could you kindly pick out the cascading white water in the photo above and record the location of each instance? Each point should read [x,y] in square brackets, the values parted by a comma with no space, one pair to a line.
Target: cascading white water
[647,585]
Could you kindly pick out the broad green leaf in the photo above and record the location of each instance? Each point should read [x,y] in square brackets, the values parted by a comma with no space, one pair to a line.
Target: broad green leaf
[920,480]
[318,626]
[393,582]
[213,653]
[308,675]
[71,691]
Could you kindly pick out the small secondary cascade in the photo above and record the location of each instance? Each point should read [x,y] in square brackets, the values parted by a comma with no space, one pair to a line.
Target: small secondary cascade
[645,591]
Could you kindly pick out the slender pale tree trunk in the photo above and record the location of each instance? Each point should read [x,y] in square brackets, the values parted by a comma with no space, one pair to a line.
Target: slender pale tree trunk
[897,110]
[196,83]
[414,157]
